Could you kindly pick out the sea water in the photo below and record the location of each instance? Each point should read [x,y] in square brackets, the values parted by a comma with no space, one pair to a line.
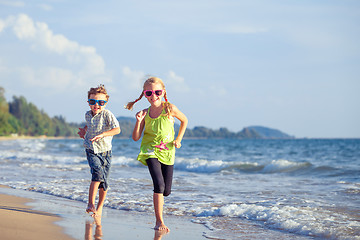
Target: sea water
[307,188]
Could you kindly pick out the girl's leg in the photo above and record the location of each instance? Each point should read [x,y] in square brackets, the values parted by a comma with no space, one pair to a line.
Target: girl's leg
[167,172]
[159,187]
[158,207]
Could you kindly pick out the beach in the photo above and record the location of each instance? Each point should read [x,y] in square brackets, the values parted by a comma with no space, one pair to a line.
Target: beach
[21,222]
[66,220]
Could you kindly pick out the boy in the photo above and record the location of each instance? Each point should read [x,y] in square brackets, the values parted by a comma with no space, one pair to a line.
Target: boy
[101,126]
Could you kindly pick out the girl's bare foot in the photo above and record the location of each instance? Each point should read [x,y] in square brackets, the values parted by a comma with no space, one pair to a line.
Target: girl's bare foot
[160,226]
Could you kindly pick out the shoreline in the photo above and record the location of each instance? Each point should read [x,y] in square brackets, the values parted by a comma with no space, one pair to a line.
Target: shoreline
[65,219]
[7,138]
[22,222]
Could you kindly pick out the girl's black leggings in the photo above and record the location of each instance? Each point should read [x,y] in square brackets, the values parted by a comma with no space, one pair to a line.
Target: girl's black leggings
[161,175]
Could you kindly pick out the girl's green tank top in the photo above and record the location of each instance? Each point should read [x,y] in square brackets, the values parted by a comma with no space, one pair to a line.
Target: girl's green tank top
[158,138]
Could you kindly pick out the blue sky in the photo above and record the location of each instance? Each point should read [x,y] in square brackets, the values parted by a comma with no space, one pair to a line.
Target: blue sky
[290,65]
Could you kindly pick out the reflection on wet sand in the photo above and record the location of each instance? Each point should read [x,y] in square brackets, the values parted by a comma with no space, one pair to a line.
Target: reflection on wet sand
[98,235]
[89,229]
[159,234]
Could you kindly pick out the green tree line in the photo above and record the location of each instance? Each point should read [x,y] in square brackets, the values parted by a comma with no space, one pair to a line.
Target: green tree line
[24,118]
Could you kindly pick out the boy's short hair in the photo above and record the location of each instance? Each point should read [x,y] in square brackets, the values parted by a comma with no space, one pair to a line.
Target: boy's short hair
[99,89]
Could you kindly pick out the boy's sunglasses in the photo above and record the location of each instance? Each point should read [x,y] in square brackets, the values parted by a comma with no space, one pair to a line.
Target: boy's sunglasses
[99,102]
[149,93]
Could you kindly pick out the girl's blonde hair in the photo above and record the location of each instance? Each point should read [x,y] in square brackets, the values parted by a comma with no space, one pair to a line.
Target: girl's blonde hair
[151,80]
[99,89]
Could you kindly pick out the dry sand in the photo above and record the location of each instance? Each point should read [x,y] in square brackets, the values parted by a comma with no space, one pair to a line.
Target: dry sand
[19,221]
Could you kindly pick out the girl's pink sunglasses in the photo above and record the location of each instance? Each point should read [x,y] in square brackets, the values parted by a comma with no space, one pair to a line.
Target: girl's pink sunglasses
[149,93]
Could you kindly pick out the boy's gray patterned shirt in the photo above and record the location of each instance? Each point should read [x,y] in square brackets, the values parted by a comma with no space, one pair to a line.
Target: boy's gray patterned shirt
[101,122]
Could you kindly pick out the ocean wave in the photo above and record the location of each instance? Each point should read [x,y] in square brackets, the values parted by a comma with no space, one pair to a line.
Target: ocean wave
[196,165]
[282,165]
[301,220]
[207,166]
[125,161]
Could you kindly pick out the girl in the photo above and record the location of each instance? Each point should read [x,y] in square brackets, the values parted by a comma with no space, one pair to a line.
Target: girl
[157,149]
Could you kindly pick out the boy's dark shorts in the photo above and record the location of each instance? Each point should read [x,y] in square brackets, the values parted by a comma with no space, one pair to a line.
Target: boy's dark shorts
[99,167]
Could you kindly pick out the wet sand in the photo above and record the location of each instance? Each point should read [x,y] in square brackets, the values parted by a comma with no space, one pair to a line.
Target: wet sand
[31,215]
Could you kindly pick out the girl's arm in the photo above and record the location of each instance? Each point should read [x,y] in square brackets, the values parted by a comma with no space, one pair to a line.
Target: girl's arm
[175,112]
[139,125]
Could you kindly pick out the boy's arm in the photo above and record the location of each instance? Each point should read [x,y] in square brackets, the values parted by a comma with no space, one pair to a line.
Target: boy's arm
[183,124]
[111,132]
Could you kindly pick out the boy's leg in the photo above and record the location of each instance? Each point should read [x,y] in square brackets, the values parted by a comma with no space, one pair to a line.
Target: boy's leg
[88,230]
[102,196]
[100,166]
[106,164]
[94,185]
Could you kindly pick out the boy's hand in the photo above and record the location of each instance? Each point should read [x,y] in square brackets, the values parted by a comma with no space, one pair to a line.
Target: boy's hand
[82,132]
[98,137]
[140,115]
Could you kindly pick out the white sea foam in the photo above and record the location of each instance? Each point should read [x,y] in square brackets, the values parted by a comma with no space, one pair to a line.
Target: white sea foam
[283,165]
[125,161]
[302,220]
[200,165]
[211,166]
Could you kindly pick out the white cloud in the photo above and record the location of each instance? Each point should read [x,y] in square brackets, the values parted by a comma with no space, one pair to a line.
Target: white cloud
[45,7]
[134,79]
[2,25]
[42,37]
[3,68]
[56,78]
[237,29]
[171,76]
[176,82]
[12,3]
[23,26]
[82,64]
[218,90]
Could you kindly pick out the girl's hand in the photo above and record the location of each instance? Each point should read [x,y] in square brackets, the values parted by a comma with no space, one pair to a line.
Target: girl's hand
[82,132]
[140,115]
[177,144]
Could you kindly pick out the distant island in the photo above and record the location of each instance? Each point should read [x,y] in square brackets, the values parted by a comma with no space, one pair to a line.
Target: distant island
[20,118]
[252,132]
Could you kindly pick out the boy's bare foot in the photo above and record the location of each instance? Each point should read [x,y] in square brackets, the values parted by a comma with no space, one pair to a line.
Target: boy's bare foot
[97,219]
[91,208]
[160,226]
[99,211]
